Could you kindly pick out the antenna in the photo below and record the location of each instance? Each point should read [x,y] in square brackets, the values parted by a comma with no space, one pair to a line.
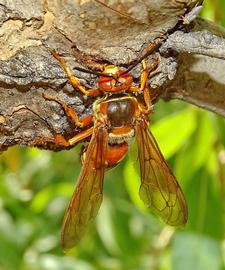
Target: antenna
[150,49]
[92,72]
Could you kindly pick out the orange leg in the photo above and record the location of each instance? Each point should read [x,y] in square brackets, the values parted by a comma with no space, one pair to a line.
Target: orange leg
[147,98]
[69,111]
[59,140]
[144,86]
[144,75]
[75,83]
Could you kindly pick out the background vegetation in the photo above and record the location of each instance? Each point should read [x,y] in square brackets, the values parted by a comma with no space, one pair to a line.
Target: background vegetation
[35,187]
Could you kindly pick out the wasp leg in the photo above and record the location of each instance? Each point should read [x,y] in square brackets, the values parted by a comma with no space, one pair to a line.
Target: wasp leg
[75,83]
[143,79]
[59,140]
[69,111]
[144,84]
[147,70]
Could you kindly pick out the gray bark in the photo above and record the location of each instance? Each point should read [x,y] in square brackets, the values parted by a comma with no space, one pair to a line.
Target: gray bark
[200,77]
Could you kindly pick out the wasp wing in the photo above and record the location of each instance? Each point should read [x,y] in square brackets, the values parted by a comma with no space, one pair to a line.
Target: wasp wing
[87,197]
[159,188]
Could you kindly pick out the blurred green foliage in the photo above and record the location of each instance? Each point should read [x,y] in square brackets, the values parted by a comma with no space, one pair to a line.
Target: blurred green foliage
[35,187]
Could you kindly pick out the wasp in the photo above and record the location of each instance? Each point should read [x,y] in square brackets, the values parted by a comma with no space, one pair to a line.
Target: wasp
[117,117]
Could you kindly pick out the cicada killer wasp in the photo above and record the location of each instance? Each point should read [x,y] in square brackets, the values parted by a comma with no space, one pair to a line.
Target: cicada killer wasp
[117,117]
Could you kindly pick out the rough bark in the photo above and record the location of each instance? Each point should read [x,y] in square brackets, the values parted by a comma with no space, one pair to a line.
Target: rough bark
[200,78]
[89,35]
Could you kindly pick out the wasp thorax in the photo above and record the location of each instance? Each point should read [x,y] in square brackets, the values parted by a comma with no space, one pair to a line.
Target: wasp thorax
[120,112]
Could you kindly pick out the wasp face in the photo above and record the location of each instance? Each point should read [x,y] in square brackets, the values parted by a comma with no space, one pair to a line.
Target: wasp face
[115,80]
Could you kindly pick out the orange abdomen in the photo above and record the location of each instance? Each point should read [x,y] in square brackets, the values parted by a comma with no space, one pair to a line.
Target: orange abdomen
[115,153]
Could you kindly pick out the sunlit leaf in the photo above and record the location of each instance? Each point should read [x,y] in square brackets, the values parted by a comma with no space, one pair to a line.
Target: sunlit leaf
[205,205]
[197,149]
[106,229]
[42,198]
[133,182]
[172,131]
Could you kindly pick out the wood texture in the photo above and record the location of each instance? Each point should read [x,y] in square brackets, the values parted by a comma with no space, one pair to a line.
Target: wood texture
[88,35]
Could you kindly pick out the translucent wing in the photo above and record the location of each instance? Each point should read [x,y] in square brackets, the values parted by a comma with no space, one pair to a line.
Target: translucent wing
[87,196]
[159,188]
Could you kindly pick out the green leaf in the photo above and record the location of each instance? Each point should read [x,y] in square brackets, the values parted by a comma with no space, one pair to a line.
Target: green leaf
[42,198]
[10,255]
[132,182]
[203,141]
[206,205]
[193,251]
[106,229]
[172,131]
[197,149]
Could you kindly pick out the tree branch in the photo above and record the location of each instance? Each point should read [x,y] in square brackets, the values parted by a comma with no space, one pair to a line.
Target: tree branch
[200,76]
[91,35]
